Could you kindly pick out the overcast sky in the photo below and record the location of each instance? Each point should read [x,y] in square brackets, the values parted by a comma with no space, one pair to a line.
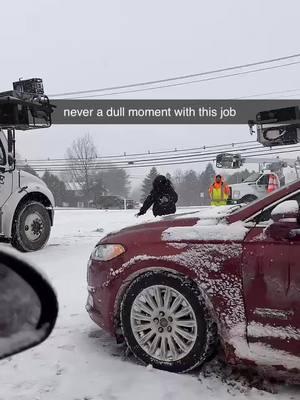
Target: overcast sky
[78,45]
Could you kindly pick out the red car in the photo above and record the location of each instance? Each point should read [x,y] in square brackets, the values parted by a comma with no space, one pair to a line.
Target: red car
[179,288]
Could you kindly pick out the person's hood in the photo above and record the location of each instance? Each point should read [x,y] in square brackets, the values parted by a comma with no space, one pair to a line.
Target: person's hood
[160,182]
[222,180]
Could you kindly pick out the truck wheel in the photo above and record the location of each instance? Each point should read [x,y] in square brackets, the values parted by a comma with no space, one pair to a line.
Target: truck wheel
[248,199]
[31,227]
[165,322]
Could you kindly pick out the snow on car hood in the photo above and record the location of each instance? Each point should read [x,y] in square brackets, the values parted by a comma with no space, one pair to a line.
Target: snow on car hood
[205,212]
[207,229]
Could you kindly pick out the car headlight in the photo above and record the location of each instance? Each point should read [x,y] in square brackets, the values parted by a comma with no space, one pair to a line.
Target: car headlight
[236,194]
[106,252]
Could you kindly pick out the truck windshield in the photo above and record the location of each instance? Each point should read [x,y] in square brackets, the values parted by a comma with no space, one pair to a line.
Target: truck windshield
[252,178]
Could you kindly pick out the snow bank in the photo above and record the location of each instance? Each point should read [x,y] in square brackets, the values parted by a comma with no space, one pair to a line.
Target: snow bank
[207,230]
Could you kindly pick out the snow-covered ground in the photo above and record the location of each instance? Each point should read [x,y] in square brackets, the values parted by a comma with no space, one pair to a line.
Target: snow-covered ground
[79,361]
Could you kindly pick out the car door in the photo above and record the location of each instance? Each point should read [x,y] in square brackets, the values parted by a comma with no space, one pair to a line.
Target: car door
[271,281]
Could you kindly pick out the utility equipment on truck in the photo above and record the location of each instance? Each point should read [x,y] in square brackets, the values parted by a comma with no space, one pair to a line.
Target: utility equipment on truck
[26,203]
[277,127]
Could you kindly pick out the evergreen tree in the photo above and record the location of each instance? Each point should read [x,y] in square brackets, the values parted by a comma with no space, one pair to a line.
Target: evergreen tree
[56,186]
[189,190]
[147,183]
[205,180]
[116,181]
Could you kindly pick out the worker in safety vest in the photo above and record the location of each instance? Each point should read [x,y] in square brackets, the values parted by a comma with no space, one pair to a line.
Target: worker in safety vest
[219,192]
[273,183]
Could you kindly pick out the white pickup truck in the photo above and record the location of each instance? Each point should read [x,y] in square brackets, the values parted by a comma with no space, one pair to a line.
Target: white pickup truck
[252,188]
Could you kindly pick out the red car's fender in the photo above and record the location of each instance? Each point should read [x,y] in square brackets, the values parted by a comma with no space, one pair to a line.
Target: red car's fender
[221,290]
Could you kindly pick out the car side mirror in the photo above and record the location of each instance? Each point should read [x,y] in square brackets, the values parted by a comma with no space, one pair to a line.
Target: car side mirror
[285,211]
[279,230]
[28,306]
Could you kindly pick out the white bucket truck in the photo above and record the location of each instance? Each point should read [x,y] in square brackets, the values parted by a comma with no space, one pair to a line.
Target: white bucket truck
[26,203]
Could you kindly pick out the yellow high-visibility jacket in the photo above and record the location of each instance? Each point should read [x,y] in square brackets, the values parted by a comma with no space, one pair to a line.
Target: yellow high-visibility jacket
[219,193]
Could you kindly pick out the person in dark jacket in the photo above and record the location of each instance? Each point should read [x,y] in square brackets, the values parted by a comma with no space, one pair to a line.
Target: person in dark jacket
[162,196]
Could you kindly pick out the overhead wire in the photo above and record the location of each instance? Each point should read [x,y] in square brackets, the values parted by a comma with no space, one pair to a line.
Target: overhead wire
[181,77]
[232,145]
[137,161]
[186,83]
[146,164]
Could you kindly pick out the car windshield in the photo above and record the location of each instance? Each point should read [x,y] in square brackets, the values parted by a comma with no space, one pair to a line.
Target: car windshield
[253,177]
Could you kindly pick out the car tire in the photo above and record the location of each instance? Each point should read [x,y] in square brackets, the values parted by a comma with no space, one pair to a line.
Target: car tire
[31,227]
[165,322]
[248,199]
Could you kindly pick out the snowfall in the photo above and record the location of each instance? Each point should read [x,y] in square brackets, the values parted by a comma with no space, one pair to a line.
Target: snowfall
[81,362]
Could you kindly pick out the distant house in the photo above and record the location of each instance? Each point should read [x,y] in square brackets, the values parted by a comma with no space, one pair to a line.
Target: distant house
[75,197]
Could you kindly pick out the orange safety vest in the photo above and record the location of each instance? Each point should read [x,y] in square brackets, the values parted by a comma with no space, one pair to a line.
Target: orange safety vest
[219,193]
[273,183]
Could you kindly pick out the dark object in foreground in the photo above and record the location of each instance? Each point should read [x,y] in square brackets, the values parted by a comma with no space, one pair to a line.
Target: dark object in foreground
[28,306]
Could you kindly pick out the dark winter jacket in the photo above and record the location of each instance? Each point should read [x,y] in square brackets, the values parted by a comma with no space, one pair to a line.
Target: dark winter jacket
[163,198]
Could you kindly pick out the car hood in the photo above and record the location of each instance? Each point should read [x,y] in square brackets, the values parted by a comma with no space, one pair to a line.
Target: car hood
[207,215]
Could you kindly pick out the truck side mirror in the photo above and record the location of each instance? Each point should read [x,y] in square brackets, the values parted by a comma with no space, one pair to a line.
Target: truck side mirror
[10,159]
[10,141]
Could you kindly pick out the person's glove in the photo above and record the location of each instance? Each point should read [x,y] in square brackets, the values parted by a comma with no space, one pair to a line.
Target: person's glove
[137,215]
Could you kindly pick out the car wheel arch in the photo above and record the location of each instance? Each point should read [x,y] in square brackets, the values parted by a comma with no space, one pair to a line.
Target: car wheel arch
[176,270]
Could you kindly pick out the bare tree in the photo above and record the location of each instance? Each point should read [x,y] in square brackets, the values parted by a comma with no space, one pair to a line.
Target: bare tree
[81,155]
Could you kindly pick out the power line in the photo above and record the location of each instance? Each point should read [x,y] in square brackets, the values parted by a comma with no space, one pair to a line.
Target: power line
[269,93]
[98,162]
[94,161]
[120,164]
[147,164]
[180,77]
[187,83]
[151,153]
